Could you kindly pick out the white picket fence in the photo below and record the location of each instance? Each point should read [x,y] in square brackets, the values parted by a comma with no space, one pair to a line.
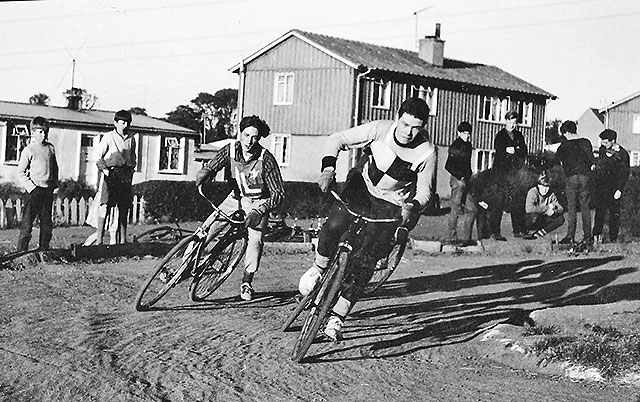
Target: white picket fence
[66,212]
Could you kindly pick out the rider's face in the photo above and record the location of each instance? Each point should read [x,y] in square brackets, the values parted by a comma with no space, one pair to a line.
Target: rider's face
[249,138]
[408,128]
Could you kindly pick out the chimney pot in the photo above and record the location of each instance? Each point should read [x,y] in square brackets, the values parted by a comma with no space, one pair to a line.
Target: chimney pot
[431,48]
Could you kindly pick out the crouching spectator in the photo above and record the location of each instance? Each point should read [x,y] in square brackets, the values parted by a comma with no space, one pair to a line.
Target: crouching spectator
[544,213]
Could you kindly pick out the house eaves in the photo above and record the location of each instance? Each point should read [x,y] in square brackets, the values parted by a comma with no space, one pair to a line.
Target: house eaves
[359,55]
[100,120]
[618,103]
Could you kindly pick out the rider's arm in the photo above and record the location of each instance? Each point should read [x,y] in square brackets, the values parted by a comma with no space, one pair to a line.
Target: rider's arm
[355,137]
[221,159]
[273,180]
[426,181]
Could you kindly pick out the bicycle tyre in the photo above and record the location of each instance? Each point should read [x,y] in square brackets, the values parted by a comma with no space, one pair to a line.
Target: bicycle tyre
[154,234]
[213,268]
[325,298]
[381,273]
[302,305]
[155,288]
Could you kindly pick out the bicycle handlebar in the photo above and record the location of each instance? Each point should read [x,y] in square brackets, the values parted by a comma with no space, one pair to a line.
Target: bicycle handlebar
[221,212]
[357,215]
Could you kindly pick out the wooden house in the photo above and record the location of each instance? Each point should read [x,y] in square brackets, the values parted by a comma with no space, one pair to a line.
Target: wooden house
[307,86]
[164,150]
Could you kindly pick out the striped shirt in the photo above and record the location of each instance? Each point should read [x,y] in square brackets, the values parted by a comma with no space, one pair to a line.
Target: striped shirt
[274,188]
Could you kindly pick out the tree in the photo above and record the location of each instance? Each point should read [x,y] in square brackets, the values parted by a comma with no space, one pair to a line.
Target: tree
[87,100]
[207,114]
[552,131]
[140,111]
[39,99]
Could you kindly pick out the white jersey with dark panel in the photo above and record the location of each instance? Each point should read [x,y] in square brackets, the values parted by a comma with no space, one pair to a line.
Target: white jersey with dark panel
[395,173]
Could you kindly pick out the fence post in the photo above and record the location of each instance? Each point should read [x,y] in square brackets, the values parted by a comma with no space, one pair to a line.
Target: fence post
[58,211]
[134,210]
[65,211]
[11,212]
[19,207]
[3,216]
[73,212]
[141,210]
[82,211]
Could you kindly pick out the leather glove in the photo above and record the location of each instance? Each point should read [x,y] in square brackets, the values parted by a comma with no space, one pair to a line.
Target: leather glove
[409,211]
[253,219]
[202,176]
[326,179]
[617,195]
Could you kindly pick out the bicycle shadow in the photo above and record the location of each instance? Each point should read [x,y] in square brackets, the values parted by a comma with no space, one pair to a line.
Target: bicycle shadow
[261,300]
[407,327]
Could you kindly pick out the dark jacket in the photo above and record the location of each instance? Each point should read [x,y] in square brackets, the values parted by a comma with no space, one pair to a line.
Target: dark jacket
[459,160]
[507,161]
[611,174]
[576,156]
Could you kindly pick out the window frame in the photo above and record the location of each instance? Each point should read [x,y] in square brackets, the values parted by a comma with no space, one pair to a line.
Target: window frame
[282,153]
[381,94]
[284,80]
[493,108]
[484,157]
[634,158]
[635,124]
[181,146]
[426,93]
[20,144]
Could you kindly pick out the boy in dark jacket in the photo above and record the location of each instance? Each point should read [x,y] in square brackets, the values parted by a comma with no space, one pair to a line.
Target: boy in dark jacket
[459,166]
[576,157]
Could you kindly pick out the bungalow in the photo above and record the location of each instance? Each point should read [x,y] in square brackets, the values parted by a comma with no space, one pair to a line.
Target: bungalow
[622,116]
[165,151]
[307,86]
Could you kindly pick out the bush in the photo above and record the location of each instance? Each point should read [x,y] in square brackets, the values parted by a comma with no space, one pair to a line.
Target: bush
[75,189]
[10,190]
[629,212]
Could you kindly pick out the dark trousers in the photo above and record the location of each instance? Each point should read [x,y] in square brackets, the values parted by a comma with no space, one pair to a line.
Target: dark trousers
[537,221]
[376,239]
[461,205]
[38,203]
[613,206]
[577,191]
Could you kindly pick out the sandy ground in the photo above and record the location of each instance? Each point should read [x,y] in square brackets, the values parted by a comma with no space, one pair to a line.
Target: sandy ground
[69,332]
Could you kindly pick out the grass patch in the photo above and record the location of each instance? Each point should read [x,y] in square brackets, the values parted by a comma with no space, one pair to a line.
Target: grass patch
[605,348]
[540,330]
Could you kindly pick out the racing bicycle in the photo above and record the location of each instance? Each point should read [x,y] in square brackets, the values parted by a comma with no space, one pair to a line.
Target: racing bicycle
[208,260]
[321,299]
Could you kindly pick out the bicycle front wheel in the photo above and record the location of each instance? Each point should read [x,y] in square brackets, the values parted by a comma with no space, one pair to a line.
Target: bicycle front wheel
[384,268]
[214,267]
[326,297]
[171,270]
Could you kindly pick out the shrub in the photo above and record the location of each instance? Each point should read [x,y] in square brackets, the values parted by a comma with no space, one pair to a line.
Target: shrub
[9,190]
[70,188]
[629,212]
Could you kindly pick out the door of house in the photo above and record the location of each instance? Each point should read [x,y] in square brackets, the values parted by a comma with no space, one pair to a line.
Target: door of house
[88,169]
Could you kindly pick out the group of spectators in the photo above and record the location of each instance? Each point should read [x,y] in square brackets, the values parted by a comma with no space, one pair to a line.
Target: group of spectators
[589,181]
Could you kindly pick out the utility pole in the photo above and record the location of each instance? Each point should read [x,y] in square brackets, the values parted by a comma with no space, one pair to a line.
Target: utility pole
[415,14]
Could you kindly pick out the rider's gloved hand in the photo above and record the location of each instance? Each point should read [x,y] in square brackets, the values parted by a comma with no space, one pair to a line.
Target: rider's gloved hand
[253,219]
[410,211]
[327,177]
[202,176]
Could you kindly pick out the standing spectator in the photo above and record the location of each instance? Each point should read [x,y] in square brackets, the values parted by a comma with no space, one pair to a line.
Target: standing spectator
[116,159]
[511,152]
[459,166]
[612,173]
[38,174]
[544,213]
[576,157]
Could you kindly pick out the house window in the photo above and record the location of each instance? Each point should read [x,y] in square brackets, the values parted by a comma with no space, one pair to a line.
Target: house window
[493,109]
[381,94]
[283,89]
[636,124]
[428,94]
[171,154]
[634,157]
[282,148]
[484,159]
[17,139]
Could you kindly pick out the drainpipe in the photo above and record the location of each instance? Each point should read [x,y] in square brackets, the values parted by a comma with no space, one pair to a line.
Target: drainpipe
[240,95]
[356,112]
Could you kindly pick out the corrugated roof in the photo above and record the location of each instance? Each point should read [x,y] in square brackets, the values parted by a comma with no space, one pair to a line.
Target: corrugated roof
[383,58]
[93,118]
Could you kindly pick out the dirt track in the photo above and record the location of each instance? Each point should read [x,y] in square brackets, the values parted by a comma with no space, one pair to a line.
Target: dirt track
[69,332]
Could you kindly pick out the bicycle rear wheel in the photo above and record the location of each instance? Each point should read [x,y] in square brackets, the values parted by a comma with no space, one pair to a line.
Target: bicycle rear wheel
[168,272]
[214,267]
[384,268]
[155,234]
[324,300]
[302,305]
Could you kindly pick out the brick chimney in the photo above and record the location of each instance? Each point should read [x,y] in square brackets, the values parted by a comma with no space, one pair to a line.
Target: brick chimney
[74,98]
[431,48]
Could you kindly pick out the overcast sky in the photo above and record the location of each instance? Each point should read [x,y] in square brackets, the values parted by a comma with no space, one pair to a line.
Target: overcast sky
[158,54]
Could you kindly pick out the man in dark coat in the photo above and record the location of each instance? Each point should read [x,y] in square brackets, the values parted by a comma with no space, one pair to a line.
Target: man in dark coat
[459,166]
[612,172]
[511,152]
